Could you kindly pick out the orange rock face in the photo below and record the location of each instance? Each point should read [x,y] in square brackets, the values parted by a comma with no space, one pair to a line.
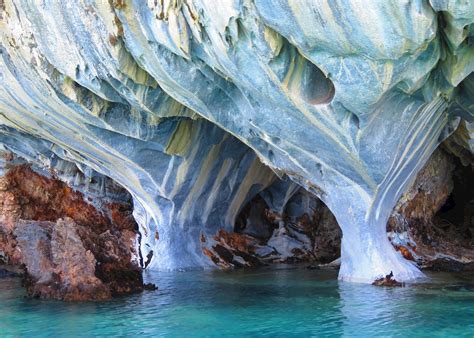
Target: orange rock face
[230,250]
[405,252]
[81,251]
[58,265]
[31,196]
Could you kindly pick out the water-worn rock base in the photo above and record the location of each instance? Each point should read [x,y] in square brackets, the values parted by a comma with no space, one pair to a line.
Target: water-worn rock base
[306,231]
[57,263]
[78,247]
[70,248]
[432,225]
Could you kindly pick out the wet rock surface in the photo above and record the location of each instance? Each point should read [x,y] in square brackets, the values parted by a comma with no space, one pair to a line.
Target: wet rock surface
[70,249]
[388,280]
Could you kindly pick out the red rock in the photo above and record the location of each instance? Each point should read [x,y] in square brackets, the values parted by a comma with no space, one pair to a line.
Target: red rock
[405,252]
[72,249]
[388,280]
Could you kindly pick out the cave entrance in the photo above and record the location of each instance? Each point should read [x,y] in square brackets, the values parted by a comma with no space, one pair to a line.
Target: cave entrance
[254,220]
[302,230]
[456,217]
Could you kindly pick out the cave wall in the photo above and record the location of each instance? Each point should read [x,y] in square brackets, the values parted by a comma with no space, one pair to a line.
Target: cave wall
[182,102]
[431,224]
[73,237]
[188,181]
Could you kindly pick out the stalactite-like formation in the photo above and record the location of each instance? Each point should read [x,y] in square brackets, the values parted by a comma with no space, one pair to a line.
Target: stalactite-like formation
[197,106]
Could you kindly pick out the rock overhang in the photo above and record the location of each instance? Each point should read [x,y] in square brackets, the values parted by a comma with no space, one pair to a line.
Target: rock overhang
[347,99]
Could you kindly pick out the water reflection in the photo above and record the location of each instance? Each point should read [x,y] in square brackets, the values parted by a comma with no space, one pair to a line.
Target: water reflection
[372,307]
[281,302]
[414,309]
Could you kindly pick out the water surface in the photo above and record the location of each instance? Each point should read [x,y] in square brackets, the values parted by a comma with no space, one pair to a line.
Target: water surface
[272,302]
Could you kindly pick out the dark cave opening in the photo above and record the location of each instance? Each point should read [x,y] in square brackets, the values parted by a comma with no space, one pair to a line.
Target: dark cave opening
[456,216]
[432,223]
[304,230]
[254,221]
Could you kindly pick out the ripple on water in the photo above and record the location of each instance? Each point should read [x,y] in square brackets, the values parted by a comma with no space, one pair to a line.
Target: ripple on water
[274,302]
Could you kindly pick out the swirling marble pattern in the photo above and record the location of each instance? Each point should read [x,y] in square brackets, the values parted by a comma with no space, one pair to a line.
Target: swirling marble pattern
[182,101]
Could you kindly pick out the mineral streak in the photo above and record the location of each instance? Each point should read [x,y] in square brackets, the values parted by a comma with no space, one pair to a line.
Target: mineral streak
[181,102]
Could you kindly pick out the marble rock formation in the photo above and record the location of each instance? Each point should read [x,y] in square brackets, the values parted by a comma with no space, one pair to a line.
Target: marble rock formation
[431,225]
[196,106]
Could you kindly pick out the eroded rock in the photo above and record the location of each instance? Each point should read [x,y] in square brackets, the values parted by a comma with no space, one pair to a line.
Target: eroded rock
[70,248]
[430,226]
[422,226]
[300,229]
[233,250]
[57,263]
[158,95]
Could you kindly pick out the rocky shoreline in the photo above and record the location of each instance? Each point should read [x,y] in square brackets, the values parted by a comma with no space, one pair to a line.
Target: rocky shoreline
[68,248]
[72,241]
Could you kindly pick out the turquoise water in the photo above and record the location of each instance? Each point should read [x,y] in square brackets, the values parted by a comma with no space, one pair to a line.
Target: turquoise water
[272,302]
